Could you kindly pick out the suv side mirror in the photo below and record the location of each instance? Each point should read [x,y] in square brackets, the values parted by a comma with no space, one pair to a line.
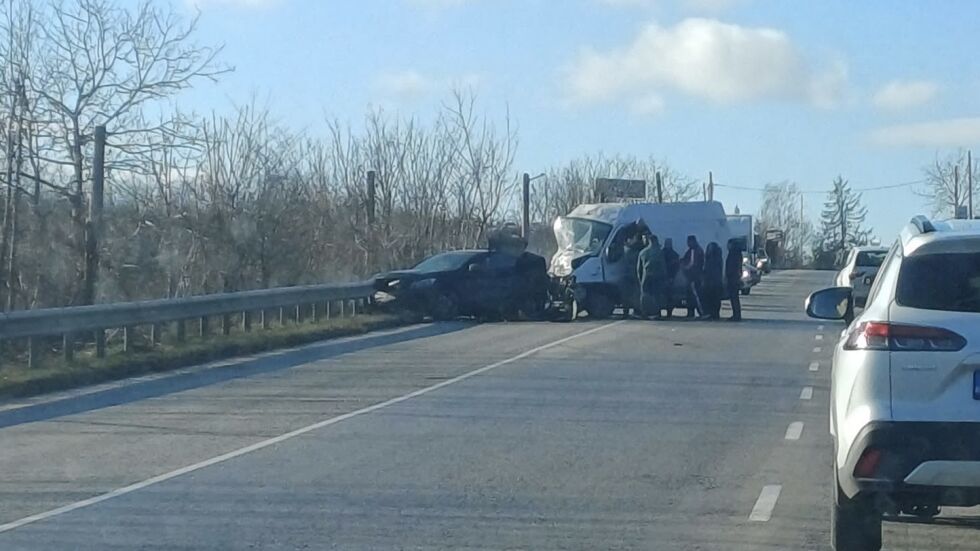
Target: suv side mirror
[835,303]
[614,252]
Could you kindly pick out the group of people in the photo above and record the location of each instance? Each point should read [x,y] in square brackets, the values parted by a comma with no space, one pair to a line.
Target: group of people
[708,279]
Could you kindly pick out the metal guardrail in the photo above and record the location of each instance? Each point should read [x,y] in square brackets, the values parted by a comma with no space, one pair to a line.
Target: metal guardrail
[72,322]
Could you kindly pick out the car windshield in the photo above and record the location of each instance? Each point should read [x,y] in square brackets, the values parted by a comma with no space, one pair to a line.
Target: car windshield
[580,234]
[445,262]
[870,259]
[949,281]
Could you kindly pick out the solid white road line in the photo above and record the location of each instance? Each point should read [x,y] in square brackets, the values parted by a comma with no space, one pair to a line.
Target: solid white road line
[816,349]
[814,366]
[287,436]
[819,328]
[762,511]
[818,337]
[794,430]
[806,393]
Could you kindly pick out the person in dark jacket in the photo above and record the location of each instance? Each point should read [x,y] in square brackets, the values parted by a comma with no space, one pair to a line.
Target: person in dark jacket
[733,278]
[651,272]
[712,285]
[630,286]
[672,262]
[693,265]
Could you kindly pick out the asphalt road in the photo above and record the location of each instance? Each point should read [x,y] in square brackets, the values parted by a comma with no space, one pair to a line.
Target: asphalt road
[587,435]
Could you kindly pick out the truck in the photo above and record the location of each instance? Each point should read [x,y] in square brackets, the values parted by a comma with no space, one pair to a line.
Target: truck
[741,228]
[588,270]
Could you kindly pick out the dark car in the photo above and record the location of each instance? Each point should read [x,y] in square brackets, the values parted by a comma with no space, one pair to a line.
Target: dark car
[480,283]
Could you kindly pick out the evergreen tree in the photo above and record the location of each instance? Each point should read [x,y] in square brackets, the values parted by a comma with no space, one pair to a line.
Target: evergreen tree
[841,225]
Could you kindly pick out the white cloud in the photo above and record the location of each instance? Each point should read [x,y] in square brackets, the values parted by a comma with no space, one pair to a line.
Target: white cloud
[719,62]
[961,132]
[437,5]
[411,85]
[649,105]
[693,6]
[904,94]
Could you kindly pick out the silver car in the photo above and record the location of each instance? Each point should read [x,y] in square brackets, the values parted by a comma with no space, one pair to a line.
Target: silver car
[905,386]
[860,270]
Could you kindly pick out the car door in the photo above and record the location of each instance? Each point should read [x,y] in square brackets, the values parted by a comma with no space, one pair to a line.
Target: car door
[490,282]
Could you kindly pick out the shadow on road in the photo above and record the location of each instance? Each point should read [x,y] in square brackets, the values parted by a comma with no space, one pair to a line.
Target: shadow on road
[224,372]
[968,522]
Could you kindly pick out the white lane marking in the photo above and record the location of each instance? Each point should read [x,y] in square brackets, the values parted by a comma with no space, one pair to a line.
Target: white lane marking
[762,511]
[819,328]
[814,366]
[287,436]
[816,349]
[818,337]
[806,393]
[794,430]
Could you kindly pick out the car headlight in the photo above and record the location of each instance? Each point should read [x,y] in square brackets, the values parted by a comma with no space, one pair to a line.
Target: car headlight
[745,273]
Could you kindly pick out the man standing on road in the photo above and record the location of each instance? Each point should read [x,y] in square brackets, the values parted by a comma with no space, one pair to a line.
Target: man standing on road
[652,274]
[693,266]
[733,278]
[672,262]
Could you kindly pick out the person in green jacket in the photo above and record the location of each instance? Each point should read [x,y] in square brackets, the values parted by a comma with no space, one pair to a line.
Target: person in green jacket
[651,270]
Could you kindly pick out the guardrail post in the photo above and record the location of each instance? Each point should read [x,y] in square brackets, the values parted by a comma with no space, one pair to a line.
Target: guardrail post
[100,343]
[315,312]
[353,307]
[299,314]
[204,326]
[127,339]
[246,322]
[264,315]
[226,324]
[68,343]
[155,331]
[326,309]
[181,331]
[341,308]
[282,316]
[33,352]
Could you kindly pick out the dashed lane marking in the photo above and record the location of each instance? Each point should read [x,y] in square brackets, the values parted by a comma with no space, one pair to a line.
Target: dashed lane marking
[814,366]
[818,337]
[806,393]
[816,349]
[794,430]
[762,511]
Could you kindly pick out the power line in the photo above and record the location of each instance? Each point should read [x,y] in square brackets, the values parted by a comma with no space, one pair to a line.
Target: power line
[823,191]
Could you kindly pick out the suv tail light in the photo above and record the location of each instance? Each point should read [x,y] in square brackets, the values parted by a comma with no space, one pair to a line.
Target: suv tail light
[877,335]
[867,465]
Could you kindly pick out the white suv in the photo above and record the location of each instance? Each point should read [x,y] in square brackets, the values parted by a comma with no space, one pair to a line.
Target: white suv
[905,389]
[860,270]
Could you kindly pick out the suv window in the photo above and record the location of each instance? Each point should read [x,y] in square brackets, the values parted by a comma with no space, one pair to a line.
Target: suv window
[945,281]
[891,257]
[871,259]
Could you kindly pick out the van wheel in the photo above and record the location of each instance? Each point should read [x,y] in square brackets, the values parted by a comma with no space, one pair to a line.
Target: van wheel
[855,524]
[745,291]
[599,305]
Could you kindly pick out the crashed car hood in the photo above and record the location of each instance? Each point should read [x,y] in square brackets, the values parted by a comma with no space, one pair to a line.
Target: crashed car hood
[381,281]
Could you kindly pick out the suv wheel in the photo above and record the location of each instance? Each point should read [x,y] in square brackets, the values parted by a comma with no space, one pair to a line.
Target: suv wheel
[444,307]
[855,524]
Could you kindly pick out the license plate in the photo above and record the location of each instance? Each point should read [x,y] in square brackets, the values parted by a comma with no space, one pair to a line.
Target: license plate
[976,385]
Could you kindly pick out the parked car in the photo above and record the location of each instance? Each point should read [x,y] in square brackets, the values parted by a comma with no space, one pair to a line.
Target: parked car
[859,271]
[750,277]
[762,262]
[905,384]
[481,283]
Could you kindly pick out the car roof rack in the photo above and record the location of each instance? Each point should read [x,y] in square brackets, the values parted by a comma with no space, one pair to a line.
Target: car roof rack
[923,224]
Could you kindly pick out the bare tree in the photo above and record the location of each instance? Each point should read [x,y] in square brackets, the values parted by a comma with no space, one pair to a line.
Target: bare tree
[942,189]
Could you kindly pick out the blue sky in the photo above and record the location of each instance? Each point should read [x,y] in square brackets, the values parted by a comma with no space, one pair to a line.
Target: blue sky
[756,91]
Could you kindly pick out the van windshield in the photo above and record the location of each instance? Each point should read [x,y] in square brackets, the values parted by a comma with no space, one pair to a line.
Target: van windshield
[580,235]
[871,259]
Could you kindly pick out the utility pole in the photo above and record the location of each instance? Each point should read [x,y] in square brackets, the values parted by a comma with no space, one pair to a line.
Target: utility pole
[801,230]
[94,223]
[711,187]
[956,190]
[660,188]
[370,208]
[969,184]
[526,206]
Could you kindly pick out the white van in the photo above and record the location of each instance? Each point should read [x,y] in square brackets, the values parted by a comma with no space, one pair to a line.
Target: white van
[588,266]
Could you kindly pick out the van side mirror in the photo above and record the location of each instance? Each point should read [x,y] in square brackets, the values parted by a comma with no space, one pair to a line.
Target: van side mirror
[835,303]
[614,252]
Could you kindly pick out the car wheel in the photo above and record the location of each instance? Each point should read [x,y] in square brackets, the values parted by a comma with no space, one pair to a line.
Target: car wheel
[855,524]
[445,307]
[599,305]
[745,291]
